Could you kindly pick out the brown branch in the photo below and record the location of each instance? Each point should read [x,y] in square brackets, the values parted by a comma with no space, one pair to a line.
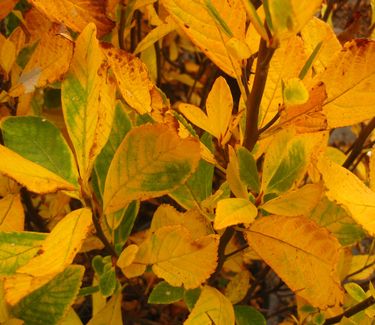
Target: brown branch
[359,270]
[121,27]
[351,311]
[358,144]
[254,99]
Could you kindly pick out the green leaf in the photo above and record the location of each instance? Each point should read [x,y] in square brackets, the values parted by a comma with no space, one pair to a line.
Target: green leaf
[246,315]
[38,140]
[16,249]
[164,293]
[248,169]
[199,185]
[48,304]
[107,280]
[191,297]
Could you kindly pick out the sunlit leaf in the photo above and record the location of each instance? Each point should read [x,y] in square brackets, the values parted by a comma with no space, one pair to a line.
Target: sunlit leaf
[211,307]
[35,177]
[31,137]
[151,161]
[295,203]
[300,252]
[348,190]
[48,304]
[132,78]
[350,82]
[206,33]
[76,14]
[111,313]
[234,211]
[88,101]
[12,216]
[178,258]
[48,63]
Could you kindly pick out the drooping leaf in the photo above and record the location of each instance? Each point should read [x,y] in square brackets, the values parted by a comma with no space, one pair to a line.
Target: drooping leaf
[234,211]
[48,304]
[17,248]
[350,80]
[88,101]
[219,107]
[12,216]
[236,184]
[35,177]
[246,315]
[77,14]
[164,293]
[132,78]
[211,307]
[48,63]
[206,33]
[38,140]
[177,258]
[346,189]
[295,203]
[300,252]
[151,161]
[110,314]
[248,169]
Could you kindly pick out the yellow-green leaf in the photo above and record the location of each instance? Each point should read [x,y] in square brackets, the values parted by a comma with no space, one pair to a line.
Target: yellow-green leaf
[36,178]
[111,313]
[295,203]
[177,258]
[295,92]
[76,14]
[206,33]
[212,307]
[238,286]
[348,190]
[304,255]
[88,101]
[151,161]
[350,83]
[12,216]
[234,211]
[132,78]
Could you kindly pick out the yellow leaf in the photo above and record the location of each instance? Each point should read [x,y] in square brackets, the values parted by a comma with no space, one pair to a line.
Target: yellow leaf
[132,78]
[61,245]
[167,215]
[127,256]
[37,179]
[289,16]
[111,314]
[7,54]
[177,258]
[286,63]
[359,262]
[348,190]
[234,211]
[156,34]
[88,101]
[238,187]
[219,107]
[151,161]
[238,286]
[316,31]
[205,32]
[350,83]
[372,170]
[12,216]
[76,14]
[48,63]
[302,254]
[212,307]
[295,203]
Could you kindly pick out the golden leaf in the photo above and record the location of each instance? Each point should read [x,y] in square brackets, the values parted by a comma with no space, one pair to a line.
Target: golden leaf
[302,254]
[12,216]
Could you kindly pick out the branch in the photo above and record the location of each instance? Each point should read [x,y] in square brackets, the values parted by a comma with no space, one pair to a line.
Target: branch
[253,101]
[351,311]
[358,144]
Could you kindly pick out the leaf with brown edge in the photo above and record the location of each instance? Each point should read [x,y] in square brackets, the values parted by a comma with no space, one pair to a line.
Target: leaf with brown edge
[304,255]
[76,14]
[48,63]
[177,258]
[350,84]
[151,161]
[132,78]
[34,177]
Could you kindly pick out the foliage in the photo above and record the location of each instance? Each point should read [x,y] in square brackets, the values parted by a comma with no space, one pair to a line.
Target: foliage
[172,156]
